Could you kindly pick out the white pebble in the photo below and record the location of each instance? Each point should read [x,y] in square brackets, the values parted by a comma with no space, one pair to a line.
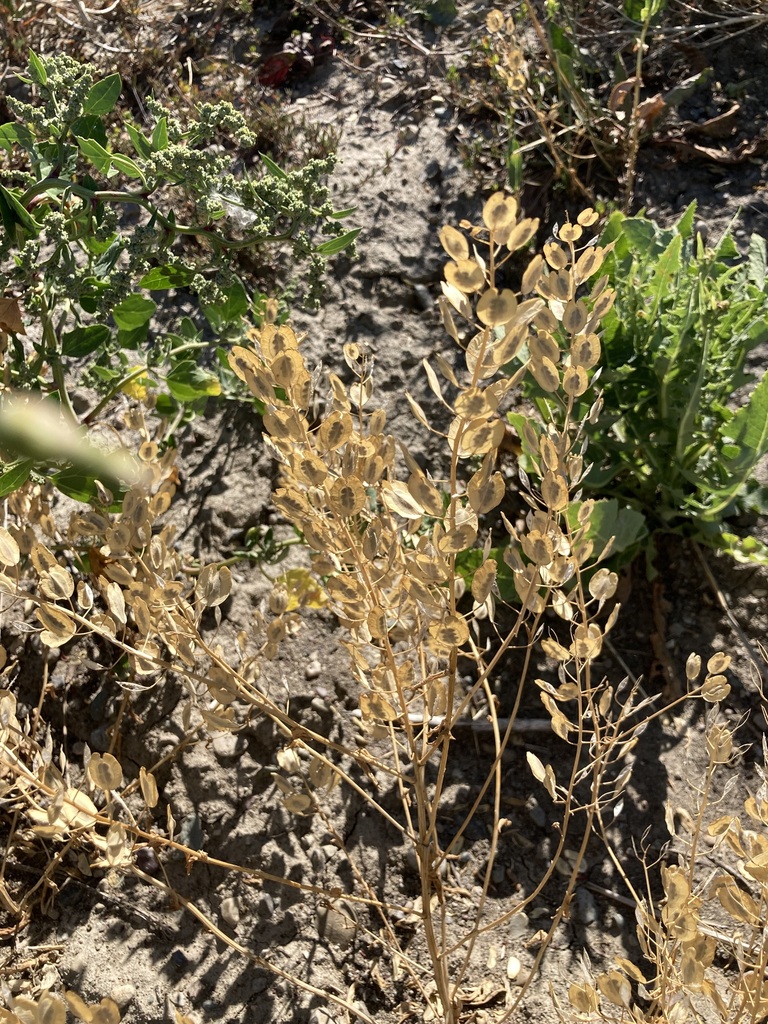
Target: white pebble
[230,912]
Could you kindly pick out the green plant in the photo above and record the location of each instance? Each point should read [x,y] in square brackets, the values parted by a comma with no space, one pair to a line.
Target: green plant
[667,437]
[81,272]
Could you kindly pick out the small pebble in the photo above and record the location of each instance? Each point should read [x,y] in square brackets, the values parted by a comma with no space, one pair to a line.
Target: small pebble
[228,744]
[585,906]
[513,968]
[266,906]
[313,670]
[423,297]
[230,912]
[123,994]
[179,960]
[319,705]
[536,812]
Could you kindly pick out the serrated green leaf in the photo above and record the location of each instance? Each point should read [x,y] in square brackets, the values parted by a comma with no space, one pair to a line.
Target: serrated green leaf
[685,224]
[748,428]
[103,95]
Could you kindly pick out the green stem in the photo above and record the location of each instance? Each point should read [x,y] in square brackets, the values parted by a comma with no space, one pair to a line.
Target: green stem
[53,353]
[112,392]
[139,199]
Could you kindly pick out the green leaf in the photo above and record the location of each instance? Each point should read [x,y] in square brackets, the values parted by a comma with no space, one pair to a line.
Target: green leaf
[187,382]
[13,475]
[128,167]
[741,549]
[82,341]
[685,224]
[12,134]
[272,167]
[12,213]
[167,276]
[90,127]
[160,135]
[441,12]
[37,68]
[513,160]
[234,306]
[334,245]
[103,96]
[141,144]
[748,428]
[96,153]
[667,269]
[133,312]
[81,486]
[626,525]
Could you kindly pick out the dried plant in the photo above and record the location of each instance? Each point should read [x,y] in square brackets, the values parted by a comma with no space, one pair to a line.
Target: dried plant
[384,538]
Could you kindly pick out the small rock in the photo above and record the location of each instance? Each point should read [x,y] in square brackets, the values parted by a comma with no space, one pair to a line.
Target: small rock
[513,968]
[423,297]
[585,906]
[536,812]
[228,744]
[265,906]
[319,705]
[78,965]
[230,912]
[313,670]
[123,994]
[179,960]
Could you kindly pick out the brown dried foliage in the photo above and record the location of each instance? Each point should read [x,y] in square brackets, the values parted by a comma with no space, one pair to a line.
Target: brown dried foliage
[383,538]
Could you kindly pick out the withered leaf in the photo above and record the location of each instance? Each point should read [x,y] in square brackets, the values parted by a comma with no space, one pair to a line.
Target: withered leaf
[454,243]
[58,627]
[105,772]
[496,308]
[374,705]
[465,275]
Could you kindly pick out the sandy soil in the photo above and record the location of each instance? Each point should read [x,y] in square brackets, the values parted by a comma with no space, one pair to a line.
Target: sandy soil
[114,935]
